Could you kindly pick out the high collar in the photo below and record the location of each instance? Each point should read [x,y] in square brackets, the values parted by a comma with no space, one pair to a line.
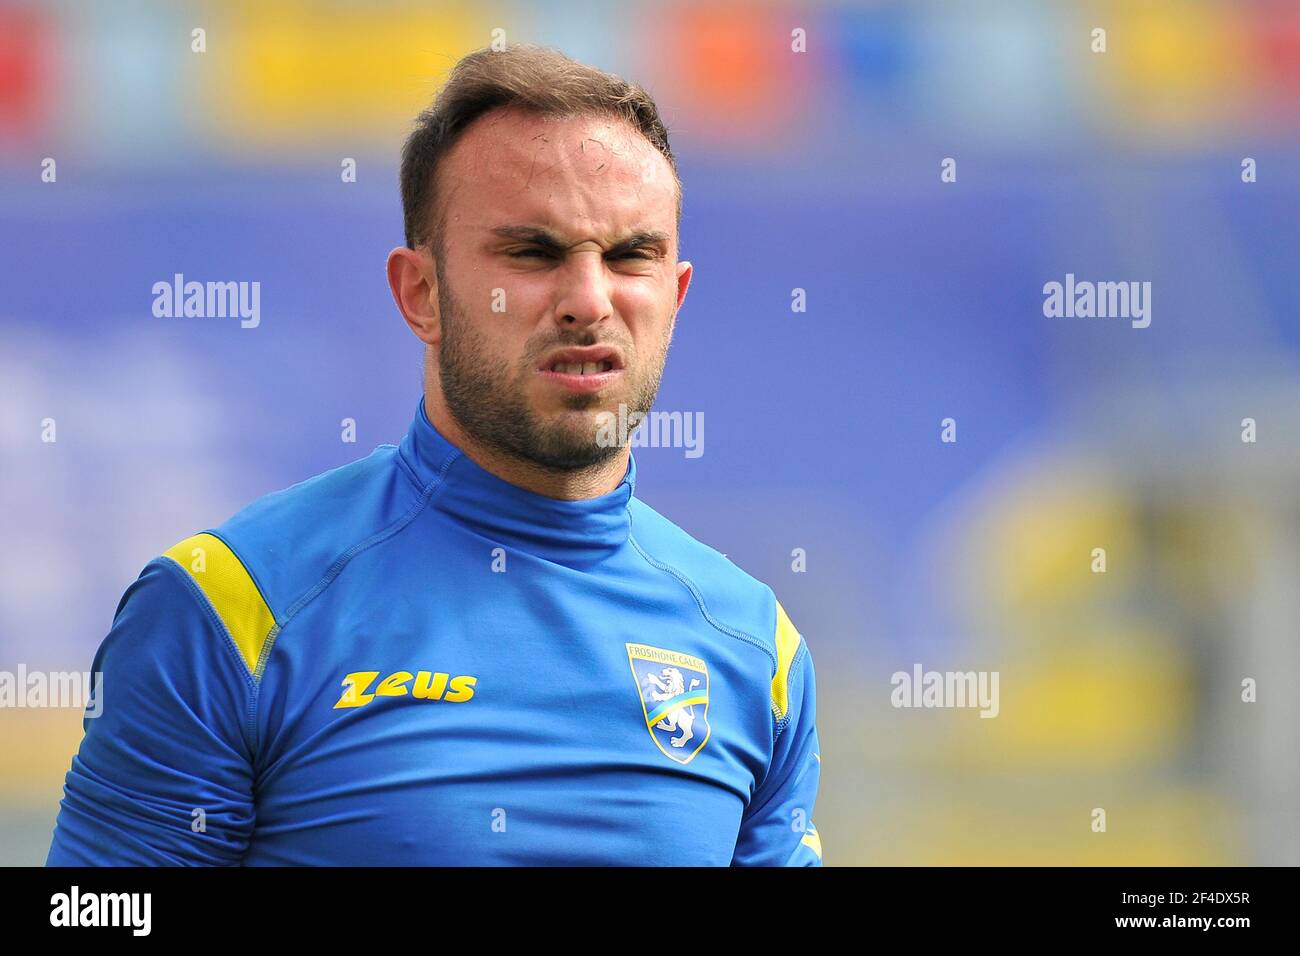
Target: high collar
[574,533]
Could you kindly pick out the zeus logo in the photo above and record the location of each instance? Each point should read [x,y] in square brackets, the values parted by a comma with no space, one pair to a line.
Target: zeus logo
[427,686]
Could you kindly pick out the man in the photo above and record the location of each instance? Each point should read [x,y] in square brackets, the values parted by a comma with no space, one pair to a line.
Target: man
[475,647]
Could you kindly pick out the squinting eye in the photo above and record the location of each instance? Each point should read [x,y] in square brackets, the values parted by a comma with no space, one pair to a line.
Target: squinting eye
[544,254]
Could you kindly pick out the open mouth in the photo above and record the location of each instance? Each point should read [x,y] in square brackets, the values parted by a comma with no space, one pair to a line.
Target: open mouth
[589,369]
[581,368]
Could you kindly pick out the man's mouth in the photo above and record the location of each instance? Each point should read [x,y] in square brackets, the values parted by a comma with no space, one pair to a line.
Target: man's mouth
[582,368]
[586,369]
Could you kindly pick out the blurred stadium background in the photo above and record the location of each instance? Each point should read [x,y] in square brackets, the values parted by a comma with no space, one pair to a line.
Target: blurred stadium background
[818,171]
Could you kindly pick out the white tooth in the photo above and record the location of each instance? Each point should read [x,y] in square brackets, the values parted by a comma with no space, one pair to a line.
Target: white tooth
[590,368]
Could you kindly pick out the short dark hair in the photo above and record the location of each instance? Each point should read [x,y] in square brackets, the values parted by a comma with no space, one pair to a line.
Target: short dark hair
[534,78]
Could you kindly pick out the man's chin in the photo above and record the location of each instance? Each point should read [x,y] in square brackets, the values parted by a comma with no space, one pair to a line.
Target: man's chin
[570,439]
[566,457]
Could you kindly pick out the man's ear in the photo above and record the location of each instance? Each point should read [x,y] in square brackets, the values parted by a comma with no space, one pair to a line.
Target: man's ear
[684,272]
[413,281]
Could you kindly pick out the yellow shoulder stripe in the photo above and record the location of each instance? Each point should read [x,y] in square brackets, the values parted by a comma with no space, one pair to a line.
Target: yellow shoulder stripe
[787,642]
[230,589]
[813,840]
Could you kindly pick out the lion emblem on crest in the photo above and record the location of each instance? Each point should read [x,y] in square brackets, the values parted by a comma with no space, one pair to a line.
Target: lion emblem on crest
[674,690]
[670,683]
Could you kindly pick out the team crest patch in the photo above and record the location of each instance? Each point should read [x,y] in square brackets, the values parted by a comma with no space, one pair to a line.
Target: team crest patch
[674,699]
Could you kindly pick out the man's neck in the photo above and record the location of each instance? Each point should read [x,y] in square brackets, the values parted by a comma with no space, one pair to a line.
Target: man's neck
[600,479]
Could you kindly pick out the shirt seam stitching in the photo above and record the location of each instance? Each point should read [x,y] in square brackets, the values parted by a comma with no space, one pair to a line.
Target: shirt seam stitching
[331,574]
[337,566]
[753,810]
[228,642]
[800,652]
[409,471]
[724,628]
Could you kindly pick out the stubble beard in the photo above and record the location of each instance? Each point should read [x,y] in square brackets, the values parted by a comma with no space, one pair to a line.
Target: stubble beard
[489,401]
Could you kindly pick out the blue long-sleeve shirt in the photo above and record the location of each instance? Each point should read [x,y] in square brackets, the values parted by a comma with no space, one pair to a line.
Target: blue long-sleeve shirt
[408,660]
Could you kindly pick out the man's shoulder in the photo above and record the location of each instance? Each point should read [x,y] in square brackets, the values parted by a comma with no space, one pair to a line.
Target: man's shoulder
[285,543]
[727,594]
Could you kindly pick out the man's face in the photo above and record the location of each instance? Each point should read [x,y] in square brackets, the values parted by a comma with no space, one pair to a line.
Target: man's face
[558,284]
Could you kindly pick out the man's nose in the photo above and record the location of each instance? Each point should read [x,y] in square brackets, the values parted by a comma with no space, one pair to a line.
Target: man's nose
[584,290]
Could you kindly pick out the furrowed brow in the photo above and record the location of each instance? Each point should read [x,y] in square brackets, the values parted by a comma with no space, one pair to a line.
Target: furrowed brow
[537,236]
[532,235]
[640,239]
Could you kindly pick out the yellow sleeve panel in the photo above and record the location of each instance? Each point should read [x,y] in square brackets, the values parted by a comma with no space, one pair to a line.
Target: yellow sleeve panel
[813,840]
[787,642]
[231,591]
